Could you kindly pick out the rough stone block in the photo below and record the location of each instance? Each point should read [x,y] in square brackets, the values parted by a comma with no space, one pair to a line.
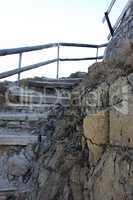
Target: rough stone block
[96,132]
[121,129]
[119,95]
[96,100]
[121,112]
[18,165]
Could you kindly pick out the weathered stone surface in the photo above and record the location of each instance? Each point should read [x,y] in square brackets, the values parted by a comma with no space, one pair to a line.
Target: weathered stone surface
[61,165]
[119,94]
[123,33]
[130,79]
[18,165]
[58,166]
[121,129]
[121,113]
[96,99]
[112,177]
[96,131]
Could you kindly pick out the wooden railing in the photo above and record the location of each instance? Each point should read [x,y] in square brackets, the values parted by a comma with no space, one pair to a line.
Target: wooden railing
[106,17]
[20,51]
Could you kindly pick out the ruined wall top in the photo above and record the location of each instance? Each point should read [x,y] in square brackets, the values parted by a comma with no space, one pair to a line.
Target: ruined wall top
[122,33]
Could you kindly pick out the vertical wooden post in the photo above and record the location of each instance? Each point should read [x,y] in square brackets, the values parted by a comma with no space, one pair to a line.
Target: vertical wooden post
[58,56]
[19,66]
[97,53]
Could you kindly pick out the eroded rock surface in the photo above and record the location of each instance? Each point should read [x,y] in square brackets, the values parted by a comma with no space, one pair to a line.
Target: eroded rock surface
[63,165]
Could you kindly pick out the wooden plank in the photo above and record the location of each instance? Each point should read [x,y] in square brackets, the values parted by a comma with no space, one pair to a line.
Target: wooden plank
[56,83]
[22,116]
[51,80]
[7,190]
[18,140]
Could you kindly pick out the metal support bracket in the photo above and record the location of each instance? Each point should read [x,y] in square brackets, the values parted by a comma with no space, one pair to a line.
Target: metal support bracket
[109,24]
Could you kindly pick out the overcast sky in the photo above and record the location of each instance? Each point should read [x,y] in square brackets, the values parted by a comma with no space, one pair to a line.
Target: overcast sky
[33,22]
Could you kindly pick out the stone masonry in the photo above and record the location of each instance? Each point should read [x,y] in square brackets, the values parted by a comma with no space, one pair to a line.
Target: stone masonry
[122,35]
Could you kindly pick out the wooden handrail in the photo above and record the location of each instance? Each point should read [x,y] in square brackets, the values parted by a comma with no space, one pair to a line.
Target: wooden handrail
[21,50]
[5,52]
[34,66]
[81,59]
[120,18]
[26,68]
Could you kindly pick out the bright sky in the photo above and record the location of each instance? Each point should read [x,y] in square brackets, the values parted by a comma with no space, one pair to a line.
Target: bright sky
[34,22]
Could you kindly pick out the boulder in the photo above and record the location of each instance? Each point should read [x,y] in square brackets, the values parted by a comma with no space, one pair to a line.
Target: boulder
[18,165]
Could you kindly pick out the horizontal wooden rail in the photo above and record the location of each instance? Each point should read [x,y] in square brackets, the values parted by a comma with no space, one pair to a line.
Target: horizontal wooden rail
[81,59]
[78,45]
[21,50]
[26,68]
[103,45]
[5,52]
[34,66]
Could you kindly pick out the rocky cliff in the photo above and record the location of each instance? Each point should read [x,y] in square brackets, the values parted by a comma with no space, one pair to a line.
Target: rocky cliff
[83,151]
[88,151]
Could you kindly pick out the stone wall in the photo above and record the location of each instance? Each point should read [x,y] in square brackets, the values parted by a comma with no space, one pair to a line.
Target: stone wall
[108,126]
[109,115]
[96,133]
[122,33]
[83,152]
[90,152]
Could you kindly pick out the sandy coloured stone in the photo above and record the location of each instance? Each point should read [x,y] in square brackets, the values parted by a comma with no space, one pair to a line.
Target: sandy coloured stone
[96,133]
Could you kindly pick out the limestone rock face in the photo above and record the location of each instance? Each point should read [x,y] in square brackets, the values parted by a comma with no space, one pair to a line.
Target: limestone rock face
[63,166]
[96,133]
[112,177]
[82,152]
[121,113]
[18,165]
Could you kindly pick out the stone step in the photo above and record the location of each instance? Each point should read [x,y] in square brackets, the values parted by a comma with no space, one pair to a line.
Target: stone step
[18,140]
[40,100]
[33,108]
[25,108]
[5,130]
[6,187]
[10,116]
